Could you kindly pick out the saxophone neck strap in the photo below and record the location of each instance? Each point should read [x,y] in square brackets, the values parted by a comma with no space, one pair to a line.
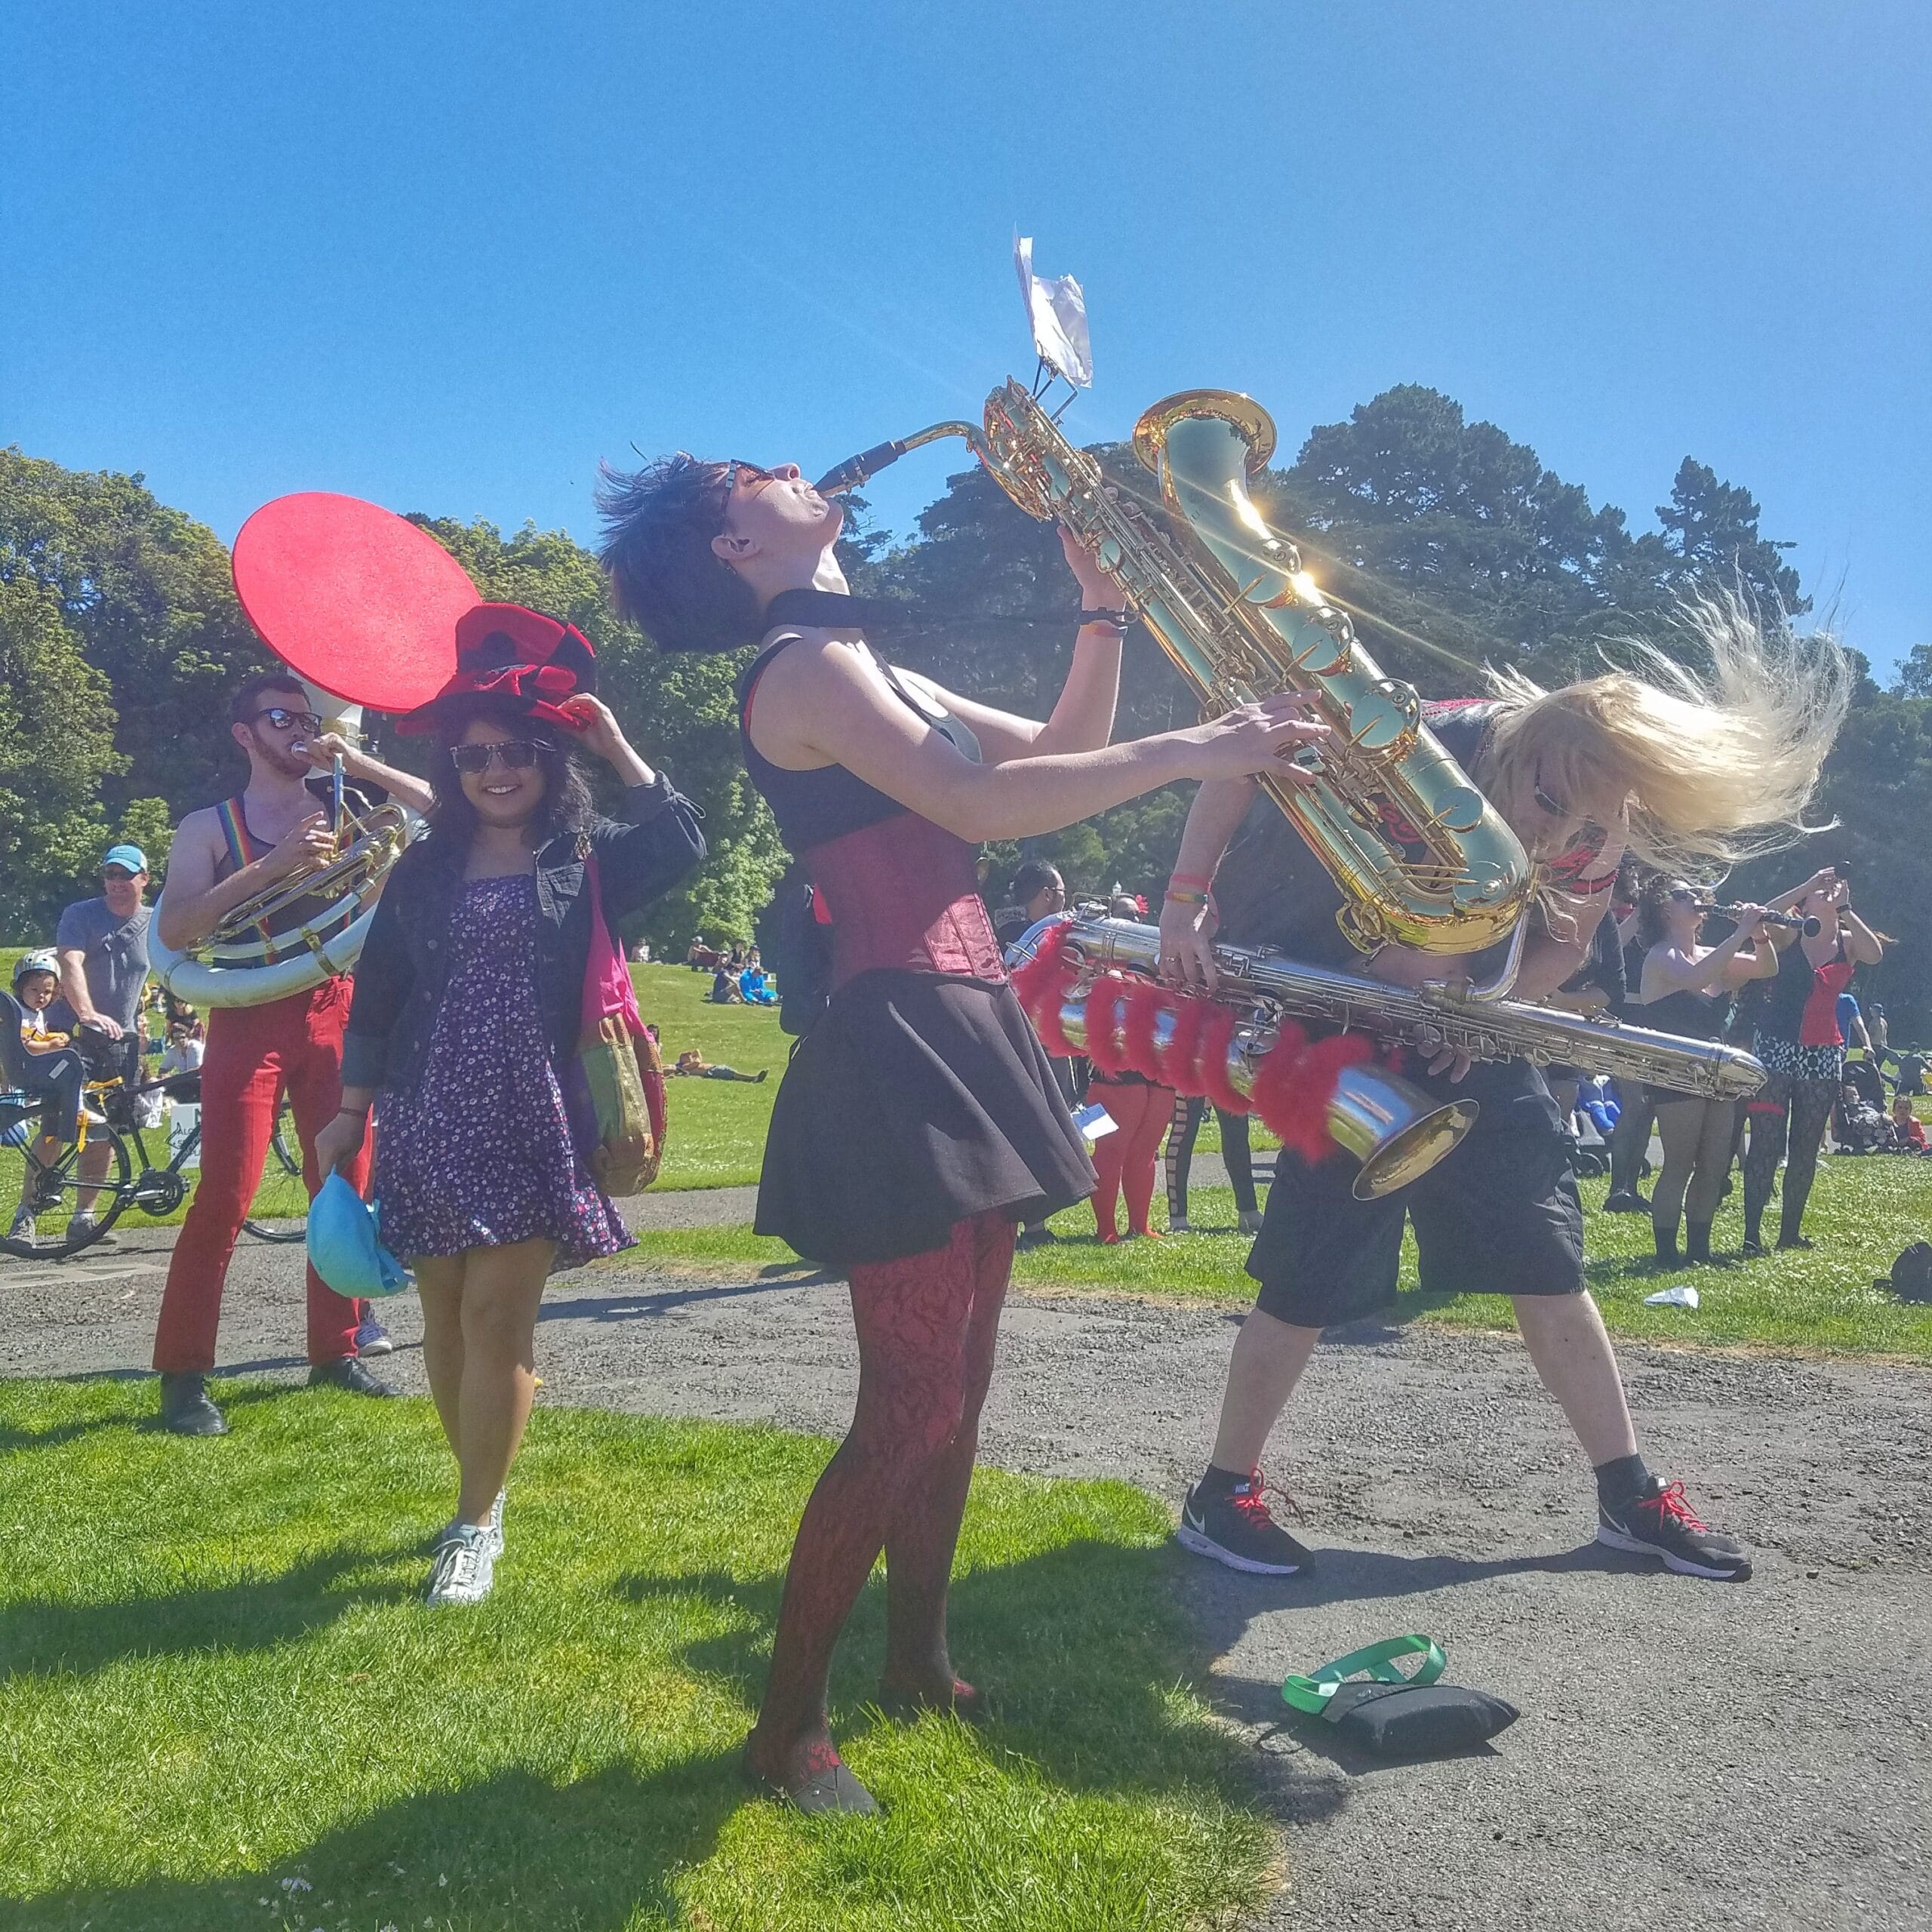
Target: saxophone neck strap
[1375,1661]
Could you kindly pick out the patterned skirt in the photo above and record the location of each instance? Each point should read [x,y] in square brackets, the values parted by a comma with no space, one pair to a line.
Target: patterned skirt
[1797,1062]
[480,1154]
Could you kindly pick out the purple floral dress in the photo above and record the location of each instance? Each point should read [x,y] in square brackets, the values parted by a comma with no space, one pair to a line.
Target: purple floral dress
[481,1154]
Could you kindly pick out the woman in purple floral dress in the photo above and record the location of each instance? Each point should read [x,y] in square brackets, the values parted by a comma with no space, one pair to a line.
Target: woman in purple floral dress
[466,1016]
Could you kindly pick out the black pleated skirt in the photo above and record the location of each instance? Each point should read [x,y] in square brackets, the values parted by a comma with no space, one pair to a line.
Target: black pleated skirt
[917,1101]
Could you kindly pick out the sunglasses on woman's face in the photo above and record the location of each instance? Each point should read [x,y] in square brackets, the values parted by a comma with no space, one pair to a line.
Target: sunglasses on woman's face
[472,761]
[1684,895]
[750,474]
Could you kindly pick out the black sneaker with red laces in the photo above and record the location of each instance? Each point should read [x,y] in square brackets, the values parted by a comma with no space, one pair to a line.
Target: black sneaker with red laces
[1657,1521]
[1228,1519]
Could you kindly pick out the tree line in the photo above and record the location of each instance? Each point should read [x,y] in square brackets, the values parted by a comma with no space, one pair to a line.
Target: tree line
[1451,545]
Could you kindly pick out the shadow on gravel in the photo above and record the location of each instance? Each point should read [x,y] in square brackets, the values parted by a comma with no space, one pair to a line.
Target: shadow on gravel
[644,1307]
[1222,1606]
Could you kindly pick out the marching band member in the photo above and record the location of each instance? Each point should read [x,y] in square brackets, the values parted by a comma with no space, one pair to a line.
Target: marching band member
[1683,771]
[1802,1045]
[467,1010]
[221,856]
[918,1122]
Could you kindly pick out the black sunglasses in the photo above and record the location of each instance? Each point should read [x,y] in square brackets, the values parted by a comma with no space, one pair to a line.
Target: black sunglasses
[733,471]
[284,720]
[517,755]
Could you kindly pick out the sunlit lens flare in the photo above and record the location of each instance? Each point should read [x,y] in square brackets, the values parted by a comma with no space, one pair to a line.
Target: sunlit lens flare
[1251,518]
[1306,588]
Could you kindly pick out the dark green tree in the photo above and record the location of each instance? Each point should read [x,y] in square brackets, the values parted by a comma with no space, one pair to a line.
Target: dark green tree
[147,592]
[1915,677]
[57,751]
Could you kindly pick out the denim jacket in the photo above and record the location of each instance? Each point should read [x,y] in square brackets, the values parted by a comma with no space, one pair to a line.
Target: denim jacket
[404,963]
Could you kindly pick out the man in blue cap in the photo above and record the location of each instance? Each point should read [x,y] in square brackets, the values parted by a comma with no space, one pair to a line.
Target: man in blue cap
[102,945]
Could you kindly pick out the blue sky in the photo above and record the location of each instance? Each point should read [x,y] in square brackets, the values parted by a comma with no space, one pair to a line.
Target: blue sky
[447,256]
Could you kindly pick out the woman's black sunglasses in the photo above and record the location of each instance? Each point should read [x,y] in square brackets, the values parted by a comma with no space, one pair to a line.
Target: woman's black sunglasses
[517,755]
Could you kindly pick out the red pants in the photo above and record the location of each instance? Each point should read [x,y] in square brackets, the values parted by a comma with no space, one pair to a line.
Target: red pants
[1125,1159]
[255,1053]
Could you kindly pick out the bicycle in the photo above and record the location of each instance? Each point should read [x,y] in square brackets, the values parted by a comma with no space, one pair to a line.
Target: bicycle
[278,1213]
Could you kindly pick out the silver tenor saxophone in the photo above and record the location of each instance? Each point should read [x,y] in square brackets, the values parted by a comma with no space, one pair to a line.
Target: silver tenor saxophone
[1272,987]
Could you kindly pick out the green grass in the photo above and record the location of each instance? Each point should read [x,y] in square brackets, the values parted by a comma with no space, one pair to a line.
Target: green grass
[717,1136]
[1861,1212]
[223,1704]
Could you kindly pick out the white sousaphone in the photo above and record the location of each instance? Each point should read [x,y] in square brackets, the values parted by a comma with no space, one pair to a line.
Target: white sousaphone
[363,606]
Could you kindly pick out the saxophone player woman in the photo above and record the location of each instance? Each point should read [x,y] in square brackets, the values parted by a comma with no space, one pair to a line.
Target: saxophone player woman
[1688,773]
[918,1122]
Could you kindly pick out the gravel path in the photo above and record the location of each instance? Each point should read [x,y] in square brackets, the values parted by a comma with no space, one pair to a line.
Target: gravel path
[1690,1754]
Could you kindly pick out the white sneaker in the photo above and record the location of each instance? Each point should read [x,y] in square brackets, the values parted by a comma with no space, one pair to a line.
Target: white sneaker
[494,1525]
[465,1567]
[24,1228]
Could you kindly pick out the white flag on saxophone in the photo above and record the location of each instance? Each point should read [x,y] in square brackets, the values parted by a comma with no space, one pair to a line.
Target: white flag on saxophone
[1057,313]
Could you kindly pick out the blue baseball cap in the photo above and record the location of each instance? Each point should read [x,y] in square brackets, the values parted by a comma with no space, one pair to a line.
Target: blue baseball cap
[345,1245]
[131,856]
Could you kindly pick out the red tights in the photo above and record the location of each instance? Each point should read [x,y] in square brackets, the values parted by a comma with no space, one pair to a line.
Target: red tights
[1125,1159]
[927,1326]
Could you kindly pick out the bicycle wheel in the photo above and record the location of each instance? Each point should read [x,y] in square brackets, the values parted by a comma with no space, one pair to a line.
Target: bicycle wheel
[280,1211]
[53,1236]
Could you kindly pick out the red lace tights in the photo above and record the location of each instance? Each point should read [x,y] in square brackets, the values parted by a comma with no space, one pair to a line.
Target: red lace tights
[927,1326]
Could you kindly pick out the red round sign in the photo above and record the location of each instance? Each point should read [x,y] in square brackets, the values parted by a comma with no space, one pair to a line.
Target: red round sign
[355,598]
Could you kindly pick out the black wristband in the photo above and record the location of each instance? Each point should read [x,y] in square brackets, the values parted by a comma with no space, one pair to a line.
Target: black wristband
[1119,621]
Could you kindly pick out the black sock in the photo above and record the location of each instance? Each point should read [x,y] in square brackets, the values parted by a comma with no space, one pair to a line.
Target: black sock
[1620,1478]
[1220,1482]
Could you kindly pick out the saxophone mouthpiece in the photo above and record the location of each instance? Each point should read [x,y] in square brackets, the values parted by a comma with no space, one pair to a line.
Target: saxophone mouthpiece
[855,469]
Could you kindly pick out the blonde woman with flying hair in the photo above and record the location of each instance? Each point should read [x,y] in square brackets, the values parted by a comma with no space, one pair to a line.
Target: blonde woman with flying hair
[1689,769]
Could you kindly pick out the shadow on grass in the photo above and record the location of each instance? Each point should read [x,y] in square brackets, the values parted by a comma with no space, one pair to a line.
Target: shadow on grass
[1077,1647]
[516,1850]
[255,1614]
[12,1439]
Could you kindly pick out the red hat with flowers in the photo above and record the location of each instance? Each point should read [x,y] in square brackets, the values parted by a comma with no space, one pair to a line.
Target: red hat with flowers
[503,650]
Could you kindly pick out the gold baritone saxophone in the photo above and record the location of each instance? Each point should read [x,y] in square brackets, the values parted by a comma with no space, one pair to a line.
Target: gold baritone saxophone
[1269,987]
[1422,858]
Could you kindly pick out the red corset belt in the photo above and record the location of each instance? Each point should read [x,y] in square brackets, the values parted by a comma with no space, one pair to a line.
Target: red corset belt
[904,894]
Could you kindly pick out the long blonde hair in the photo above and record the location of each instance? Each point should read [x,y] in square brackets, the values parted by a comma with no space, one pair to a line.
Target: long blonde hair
[1719,764]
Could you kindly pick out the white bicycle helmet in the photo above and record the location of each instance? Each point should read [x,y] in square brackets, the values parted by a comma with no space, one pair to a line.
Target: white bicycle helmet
[41,960]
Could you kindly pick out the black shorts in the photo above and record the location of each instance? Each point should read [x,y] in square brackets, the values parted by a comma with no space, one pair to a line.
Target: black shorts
[1499,1216]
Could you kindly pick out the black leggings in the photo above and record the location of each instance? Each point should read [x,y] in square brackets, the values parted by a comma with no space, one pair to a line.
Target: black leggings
[1787,1109]
[1235,1154]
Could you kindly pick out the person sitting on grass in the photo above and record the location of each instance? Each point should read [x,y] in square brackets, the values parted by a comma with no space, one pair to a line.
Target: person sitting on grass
[724,989]
[693,1063]
[1907,1128]
[755,986]
[50,1066]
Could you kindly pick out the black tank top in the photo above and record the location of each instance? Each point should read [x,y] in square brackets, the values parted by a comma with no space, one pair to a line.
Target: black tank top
[814,807]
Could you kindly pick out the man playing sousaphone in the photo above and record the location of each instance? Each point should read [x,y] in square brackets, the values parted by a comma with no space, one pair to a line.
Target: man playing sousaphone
[223,857]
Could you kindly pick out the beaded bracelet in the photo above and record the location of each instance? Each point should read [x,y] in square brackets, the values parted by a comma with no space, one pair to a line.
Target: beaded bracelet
[1185,898]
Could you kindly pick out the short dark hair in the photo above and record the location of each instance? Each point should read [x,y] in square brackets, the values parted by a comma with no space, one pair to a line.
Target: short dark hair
[568,804]
[242,705]
[658,524]
[1035,876]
